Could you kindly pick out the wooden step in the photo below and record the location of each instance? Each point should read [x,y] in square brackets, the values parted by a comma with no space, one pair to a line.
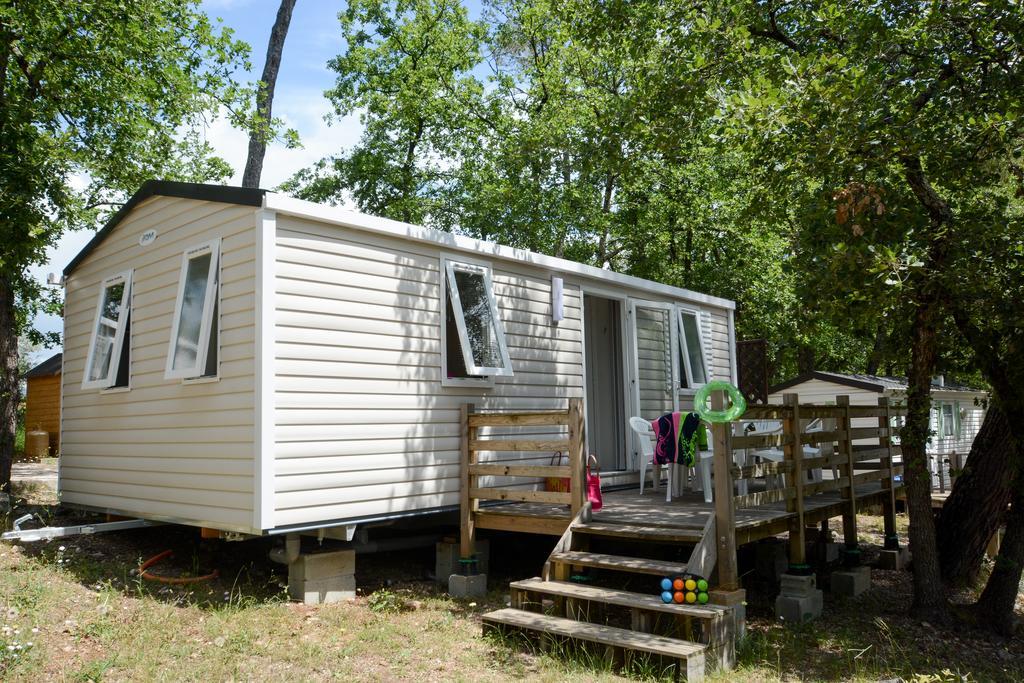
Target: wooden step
[648,613]
[689,655]
[640,533]
[693,523]
[619,563]
[620,598]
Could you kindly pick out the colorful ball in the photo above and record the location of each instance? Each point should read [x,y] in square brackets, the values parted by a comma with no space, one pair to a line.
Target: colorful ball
[666,584]
[702,585]
[702,598]
[691,585]
[679,584]
[666,596]
[691,597]
[678,597]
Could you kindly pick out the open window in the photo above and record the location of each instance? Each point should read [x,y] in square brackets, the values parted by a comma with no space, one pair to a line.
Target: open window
[194,335]
[474,336]
[109,348]
[693,362]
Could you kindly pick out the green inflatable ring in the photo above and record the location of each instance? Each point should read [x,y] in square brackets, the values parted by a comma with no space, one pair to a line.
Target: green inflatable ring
[700,402]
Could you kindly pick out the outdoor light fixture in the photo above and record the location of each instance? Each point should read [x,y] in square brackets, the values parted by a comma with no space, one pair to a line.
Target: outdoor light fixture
[556,299]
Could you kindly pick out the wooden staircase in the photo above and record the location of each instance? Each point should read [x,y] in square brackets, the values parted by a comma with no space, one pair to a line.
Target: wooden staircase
[558,606]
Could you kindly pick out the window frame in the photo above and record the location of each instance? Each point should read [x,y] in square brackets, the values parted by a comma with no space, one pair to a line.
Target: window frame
[683,350]
[195,372]
[483,376]
[954,419]
[105,383]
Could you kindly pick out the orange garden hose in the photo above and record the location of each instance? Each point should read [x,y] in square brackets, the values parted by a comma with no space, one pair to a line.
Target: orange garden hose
[177,580]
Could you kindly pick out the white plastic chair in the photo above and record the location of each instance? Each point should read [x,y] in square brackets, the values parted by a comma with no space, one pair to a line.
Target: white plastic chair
[645,432]
[767,427]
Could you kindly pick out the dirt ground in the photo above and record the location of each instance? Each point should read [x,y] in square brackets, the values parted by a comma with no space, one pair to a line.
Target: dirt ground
[76,609]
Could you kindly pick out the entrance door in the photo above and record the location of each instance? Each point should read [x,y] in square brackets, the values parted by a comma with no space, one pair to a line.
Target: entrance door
[606,410]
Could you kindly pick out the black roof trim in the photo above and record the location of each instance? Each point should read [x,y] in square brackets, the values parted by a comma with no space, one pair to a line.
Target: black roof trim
[225,194]
[50,366]
[826,377]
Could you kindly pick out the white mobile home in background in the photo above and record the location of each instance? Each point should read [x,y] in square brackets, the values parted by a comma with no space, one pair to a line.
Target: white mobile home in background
[244,361]
[956,416]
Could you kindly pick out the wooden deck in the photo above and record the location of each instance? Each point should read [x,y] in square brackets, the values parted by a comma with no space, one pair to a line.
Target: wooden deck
[688,512]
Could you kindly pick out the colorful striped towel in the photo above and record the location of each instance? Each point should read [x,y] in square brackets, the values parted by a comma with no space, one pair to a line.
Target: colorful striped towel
[678,438]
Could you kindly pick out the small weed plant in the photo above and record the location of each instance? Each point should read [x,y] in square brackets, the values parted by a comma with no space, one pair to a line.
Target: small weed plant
[386,601]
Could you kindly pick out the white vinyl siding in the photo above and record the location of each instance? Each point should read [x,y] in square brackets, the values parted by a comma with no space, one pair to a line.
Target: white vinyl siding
[967,417]
[363,425]
[820,392]
[164,450]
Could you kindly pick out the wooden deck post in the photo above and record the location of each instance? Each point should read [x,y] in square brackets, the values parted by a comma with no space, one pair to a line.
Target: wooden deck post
[467,506]
[849,492]
[725,512]
[577,458]
[794,453]
[892,539]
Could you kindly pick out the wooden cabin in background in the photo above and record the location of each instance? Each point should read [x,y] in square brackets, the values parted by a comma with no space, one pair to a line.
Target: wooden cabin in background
[42,399]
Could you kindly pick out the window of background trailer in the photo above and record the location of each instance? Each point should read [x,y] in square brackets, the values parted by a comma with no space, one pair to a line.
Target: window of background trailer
[194,336]
[475,347]
[109,360]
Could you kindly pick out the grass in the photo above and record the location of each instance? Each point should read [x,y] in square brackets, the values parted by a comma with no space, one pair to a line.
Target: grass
[76,610]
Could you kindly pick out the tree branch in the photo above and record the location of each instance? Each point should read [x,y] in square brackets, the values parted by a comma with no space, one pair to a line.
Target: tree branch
[773,32]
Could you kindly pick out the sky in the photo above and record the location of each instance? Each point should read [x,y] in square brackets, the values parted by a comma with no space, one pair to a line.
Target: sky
[314,37]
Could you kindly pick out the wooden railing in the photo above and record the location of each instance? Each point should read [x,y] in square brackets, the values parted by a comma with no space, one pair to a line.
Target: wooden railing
[474,443]
[856,465]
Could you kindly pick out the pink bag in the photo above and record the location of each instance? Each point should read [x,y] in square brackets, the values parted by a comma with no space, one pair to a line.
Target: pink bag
[594,484]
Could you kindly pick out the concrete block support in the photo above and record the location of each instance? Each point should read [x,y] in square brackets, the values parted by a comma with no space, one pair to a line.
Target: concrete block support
[318,578]
[471,586]
[800,599]
[447,563]
[896,560]
[851,582]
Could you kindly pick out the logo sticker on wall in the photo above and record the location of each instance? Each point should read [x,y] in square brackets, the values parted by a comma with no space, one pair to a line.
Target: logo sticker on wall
[147,238]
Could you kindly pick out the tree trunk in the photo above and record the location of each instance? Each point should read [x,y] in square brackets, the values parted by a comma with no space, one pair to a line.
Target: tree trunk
[877,350]
[976,507]
[996,604]
[10,386]
[265,96]
[805,360]
[929,596]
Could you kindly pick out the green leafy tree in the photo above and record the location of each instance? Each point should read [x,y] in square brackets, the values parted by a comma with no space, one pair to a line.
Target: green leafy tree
[563,149]
[405,63]
[95,97]
[885,122]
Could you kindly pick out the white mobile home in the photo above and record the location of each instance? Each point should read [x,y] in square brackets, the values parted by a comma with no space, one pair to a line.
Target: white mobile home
[245,361]
[956,417]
